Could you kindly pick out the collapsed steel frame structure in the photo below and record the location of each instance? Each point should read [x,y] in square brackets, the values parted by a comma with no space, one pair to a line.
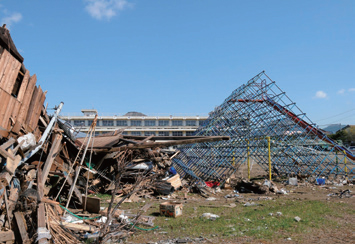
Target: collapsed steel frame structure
[253,112]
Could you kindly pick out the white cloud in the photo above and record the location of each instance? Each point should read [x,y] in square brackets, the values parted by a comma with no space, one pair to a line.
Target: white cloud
[10,19]
[351,89]
[321,94]
[341,91]
[105,9]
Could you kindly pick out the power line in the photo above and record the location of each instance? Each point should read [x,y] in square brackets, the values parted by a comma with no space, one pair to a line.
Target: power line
[337,115]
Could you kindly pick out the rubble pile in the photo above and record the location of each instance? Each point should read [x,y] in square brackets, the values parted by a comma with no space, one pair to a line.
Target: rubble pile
[49,173]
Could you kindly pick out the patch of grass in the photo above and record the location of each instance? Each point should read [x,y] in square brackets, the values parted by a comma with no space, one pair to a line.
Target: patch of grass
[252,222]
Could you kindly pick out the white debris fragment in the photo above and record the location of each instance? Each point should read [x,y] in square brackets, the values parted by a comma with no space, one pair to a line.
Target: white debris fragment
[210,216]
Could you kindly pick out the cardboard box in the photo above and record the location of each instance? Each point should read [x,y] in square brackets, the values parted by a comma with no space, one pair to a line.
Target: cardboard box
[171,209]
[175,181]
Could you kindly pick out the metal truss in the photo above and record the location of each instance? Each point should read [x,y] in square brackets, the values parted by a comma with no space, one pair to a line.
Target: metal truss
[253,112]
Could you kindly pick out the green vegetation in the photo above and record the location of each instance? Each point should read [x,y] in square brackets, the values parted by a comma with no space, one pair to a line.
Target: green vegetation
[255,222]
[347,135]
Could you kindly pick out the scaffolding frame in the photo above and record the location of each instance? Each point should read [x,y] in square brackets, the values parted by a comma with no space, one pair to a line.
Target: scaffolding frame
[254,111]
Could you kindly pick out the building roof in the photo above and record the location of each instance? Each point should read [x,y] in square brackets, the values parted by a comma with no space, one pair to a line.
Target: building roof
[132,114]
[7,43]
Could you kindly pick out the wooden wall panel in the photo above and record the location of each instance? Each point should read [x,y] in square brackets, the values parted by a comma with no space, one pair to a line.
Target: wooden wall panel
[30,109]
[3,108]
[12,76]
[4,80]
[37,109]
[14,113]
[6,122]
[5,58]
[23,87]
[25,104]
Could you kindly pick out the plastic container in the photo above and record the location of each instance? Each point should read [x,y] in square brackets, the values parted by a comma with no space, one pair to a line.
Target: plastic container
[320,181]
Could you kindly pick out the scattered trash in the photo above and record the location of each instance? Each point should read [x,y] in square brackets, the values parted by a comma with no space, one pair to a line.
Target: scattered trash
[267,183]
[231,195]
[293,181]
[298,219]
[171,209]
[250,204]
[278,214]
[211,199]
[281,191]
[320,181]
[210,216]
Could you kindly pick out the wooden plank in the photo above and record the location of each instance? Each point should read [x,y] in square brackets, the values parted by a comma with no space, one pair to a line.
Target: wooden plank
[76,190]
[12,200]
[11,78]
[25,104]
[5,79]
[31,108]
[51,156]
[21,224]
[10,107]
[12,164]
[23,87]
[32,121]
[5,58]
[3,108]
[7,154]
[38,108]
[9,142]
[41,221]
[7,235]
[14,113]
[73,226]
[3,133]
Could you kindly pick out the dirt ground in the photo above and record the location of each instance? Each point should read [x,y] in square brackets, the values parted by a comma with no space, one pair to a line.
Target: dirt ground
[342,213]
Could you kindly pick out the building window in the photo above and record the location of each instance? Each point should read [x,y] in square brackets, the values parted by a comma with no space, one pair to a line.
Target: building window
[190,122]
[149,122]
[135,133]
[177,133]
[90,122]
[107,123]
[163,133]
[190,133]
[163,122]
[177,122]
[97,133]
[125,133]
[79,122]
[149,133]
[136,123]
[121,122]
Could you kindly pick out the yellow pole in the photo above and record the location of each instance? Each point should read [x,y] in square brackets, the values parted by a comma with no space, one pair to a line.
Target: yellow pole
[248,153]
[346,168]
[233,160]
[269,152]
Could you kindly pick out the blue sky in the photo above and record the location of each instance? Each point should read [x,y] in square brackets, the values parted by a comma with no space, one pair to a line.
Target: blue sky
[185,57]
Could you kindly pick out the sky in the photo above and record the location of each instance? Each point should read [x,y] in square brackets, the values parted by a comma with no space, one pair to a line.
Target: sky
[185,57]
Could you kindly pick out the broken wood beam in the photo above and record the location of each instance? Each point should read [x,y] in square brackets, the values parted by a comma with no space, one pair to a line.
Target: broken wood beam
[51,156]
[6,236]
[22,227]
[164,144]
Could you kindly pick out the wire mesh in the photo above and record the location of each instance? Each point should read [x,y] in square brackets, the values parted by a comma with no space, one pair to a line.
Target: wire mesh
[254,111]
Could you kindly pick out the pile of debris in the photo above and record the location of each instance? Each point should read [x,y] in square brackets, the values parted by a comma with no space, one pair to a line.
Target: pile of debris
[49,173]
